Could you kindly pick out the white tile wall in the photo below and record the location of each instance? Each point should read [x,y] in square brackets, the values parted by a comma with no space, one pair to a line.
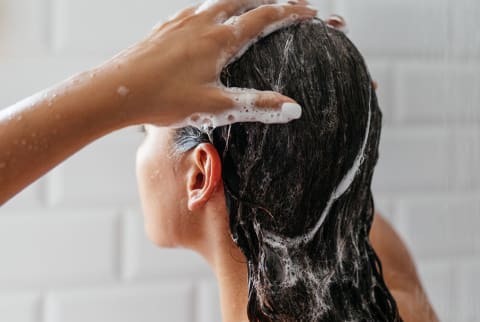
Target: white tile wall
[72,246]
[20,307]
[166,301]
[47,248]
[144,260]
[23,28]
[437,92]
[412,158]
[397,27]
[111,168]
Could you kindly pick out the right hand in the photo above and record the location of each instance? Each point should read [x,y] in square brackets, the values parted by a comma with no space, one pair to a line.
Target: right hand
[174,73]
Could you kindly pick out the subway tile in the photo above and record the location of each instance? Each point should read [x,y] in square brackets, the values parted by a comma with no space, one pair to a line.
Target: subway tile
[102,174]
[468,309]
[397,27]
[208,302]
[441,228]
[325,7]
[384,206]
[106,26]
[166,301]
[412,159]
[464,144]
[20,307]
[438,281]
[464,36]
[437,93]
[24,28]
[22,77]
[40,249]
[31,197]
[144,260]
[382,74]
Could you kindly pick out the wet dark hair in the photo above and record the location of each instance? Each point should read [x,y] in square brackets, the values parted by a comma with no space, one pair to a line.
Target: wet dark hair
[298,194]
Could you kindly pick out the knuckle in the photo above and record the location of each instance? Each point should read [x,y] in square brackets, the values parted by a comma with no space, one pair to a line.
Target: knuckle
[270,12]
[218,37]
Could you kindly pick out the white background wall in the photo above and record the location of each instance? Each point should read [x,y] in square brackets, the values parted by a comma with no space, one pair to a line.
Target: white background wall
[72,246]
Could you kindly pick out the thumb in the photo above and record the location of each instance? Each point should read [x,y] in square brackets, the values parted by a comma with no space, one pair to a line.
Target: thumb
[229,105]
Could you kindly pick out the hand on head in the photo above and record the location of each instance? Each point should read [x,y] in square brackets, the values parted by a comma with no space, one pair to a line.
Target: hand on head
[173,74]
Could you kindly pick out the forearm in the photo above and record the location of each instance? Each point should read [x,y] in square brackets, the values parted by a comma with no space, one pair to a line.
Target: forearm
[40,132]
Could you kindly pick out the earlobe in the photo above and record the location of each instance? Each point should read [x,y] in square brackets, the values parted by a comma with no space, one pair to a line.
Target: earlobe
[203,176]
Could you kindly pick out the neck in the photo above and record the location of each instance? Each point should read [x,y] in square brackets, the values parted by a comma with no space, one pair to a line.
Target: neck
[229,266]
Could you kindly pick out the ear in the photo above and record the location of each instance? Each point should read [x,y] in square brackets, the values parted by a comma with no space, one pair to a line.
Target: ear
[204,174]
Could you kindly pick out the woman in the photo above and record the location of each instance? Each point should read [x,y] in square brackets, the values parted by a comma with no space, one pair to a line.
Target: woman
[163,80]
[283,213]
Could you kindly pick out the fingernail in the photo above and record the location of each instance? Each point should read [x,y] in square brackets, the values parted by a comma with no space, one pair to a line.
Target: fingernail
[337,20]
[298,2]
[292,110]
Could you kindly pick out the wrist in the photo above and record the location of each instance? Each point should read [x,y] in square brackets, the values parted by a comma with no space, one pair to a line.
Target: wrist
[104,97]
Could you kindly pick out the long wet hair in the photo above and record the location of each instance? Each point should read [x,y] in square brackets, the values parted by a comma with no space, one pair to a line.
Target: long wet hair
[298,194]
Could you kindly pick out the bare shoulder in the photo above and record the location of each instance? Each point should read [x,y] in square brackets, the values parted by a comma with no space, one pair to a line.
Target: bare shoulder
[400,273]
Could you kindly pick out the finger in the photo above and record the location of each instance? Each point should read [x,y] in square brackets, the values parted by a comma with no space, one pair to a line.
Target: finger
[264,20]
[250,105]
[179,15]
[231,105]
[185,12]
[299,2]
[220,10]
[337,22]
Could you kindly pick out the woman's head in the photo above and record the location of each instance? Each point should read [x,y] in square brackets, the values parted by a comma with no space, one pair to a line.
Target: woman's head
[297,195]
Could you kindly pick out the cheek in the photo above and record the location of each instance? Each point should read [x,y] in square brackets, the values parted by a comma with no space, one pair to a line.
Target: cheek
[159,195]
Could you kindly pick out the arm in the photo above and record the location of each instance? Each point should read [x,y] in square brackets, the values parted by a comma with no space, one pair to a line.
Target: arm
[41,131]
[400,273]
[170,75]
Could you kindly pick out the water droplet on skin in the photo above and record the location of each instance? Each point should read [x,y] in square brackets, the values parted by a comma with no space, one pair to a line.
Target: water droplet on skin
[3,165]
[123,90]
[57,116]
[24,142]
[34,134]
